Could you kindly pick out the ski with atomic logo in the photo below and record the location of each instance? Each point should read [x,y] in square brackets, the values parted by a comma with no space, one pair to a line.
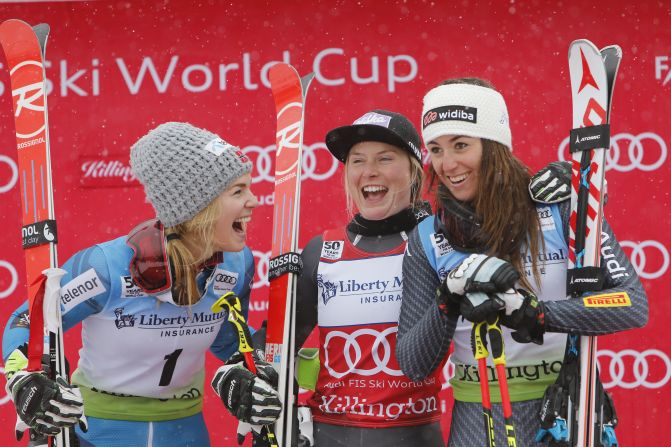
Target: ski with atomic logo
[576,410]
[24,47]
[592,75]
[289,92]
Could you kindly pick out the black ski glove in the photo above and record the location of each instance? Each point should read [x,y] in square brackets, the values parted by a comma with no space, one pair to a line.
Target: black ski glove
[552,184]
[524,314]
[45,405]
[250,398]
[448,303]
[477,306]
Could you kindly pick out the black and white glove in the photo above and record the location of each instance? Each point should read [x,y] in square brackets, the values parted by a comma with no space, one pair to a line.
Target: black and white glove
[552,184]
[250,398]
[479,306]
[45,405]
[524,314]
[481,273]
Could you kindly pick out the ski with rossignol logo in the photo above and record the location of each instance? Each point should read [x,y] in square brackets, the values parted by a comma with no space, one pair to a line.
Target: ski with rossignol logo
[576,411]
[289,92]
[24,47]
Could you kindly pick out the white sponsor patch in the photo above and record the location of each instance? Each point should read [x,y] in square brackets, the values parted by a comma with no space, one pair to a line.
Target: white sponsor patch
[224,280]
[441,246]
[80,289]
[218,146]
[129,289]
[360,291]
[545,218]
[332,249]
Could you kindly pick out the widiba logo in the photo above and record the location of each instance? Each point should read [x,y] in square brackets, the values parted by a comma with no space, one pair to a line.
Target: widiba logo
[450,113]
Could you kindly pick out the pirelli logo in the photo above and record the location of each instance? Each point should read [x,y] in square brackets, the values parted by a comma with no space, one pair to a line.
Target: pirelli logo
[620,299]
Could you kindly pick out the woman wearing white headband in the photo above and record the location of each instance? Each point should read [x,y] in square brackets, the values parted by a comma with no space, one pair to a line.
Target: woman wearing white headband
[487,229]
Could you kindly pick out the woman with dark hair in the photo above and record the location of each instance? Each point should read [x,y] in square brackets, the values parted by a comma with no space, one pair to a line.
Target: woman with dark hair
[487,229]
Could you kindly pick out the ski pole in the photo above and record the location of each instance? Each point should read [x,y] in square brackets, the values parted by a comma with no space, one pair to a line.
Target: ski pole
[479,347]
[498,355]
[231,302]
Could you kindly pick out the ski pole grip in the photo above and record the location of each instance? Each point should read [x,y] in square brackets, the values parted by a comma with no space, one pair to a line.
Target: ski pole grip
[479,341]
[496,342]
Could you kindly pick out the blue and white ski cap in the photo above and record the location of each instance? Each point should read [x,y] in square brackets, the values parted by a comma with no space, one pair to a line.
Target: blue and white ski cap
[465,109]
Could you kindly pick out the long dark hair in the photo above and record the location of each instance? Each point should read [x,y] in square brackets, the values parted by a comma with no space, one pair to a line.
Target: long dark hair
[507,217]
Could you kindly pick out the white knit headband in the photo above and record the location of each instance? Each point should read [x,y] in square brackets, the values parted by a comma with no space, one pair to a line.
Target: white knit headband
[465,109]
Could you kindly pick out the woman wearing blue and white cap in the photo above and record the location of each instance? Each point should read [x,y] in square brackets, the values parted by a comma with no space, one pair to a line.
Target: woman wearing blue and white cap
[350,287]
[486,229]
[144,301]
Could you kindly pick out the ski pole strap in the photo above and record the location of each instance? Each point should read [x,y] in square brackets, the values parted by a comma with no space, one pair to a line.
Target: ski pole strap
[590,137]
[36,315]
[38,233]
[289,262]
[584,279]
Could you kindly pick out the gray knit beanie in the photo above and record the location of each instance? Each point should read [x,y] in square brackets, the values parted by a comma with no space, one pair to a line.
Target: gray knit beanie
[184,168]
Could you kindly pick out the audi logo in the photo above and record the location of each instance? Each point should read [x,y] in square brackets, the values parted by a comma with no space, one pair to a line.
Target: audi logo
[352,344]
[14,281]
[226,279]
[15,174]
[317,162]
[642,252]
[628,152]
[617,371]
[262,261]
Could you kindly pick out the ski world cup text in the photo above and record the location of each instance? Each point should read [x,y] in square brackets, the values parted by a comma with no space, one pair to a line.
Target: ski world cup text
[332,67]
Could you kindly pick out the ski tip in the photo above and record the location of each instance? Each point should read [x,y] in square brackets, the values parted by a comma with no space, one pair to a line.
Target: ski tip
[42,32]
[41,28]
[615,50]
[306,80]
[582,43]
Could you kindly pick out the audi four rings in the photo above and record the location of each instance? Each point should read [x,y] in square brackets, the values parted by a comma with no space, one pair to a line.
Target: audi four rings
[636,147]
[313,166]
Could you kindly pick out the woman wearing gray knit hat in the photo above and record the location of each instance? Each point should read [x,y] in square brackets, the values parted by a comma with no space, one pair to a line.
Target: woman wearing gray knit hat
[489,236]
[145,303]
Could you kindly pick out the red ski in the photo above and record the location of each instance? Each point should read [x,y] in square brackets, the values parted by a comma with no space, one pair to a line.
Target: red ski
[24,48]
[289,92]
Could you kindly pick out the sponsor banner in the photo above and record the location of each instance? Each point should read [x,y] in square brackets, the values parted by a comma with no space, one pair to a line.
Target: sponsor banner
[106,172]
